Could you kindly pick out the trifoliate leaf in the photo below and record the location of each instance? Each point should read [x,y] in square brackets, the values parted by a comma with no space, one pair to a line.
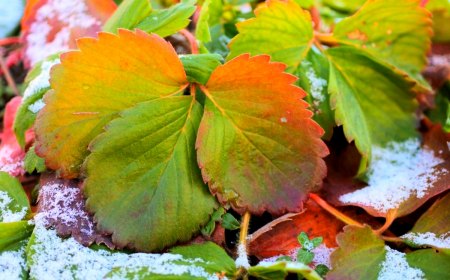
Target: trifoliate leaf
[38,84]
[168,21]
[353,99]
[14,205]
[209,228]
[96,76]
[359,255]
[33,162]
[50,26]
[255,120]
[152,175]
[199,67]
[128,15]
[396,31]
[291,24]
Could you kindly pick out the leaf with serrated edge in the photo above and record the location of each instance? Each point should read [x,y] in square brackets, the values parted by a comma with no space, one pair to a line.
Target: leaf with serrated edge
[291,24]
[397,31]
[257,137]
[143,183]
[392,119]
[90,88]
[359,255]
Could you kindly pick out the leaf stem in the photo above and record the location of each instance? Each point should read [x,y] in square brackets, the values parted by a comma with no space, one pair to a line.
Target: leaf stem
[191,39]
[242,246]
[333,211]
[391,239]
[8,76]
[315,16]
[9,41]
[390,217]
[245,222]
[326,39]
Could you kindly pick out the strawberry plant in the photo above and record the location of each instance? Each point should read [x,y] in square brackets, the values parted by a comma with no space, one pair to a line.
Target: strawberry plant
[145,130]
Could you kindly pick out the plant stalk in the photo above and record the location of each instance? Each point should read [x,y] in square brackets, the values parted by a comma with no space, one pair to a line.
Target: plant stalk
[8,76]
[191,39]
[333,211]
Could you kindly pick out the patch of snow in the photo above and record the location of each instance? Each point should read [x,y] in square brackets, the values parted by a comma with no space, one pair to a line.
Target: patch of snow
[36,106]
[429,238]
[317,84]
[397,172]
[242,259]
[10,161]
[6,214]
[41,81]
[283,120]
[12,263]
[57,258]
[322,255]
[69,14]
[396,267]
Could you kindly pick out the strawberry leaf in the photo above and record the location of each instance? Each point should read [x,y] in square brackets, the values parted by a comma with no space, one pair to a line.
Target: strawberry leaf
[129,14]
[279,271]
[434,265]
[49,26]
[33,162]
[250,125]
[291,24]
[369,125]
[199,67]
[154,177]
[95,74]
[397,31]
[14,205]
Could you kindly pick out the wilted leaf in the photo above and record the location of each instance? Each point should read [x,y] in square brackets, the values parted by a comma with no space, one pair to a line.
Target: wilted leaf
[51,26]
[279,237]
[11,154]
[281,29]
[95,75]
[62,207]
[258,137]
[14,205]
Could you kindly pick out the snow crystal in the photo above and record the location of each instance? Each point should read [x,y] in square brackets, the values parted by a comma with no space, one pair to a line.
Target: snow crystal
[429,238]
[10,162]
[6,215]
[12,263]
[57,258]
[317,84]
[396,267]
[322,255]
[41,81]
[36,106]
[283,120]
[70,14]
[397,172]
[242,259]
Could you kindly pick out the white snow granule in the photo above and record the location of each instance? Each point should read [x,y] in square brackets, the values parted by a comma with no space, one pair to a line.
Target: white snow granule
[317,84]
[69,14]
[429,238]
[12,263]
[322,255]
[36,106]
[397,172]
[57,258]
[10,162]
[396,267]
[242,259]
[6,214]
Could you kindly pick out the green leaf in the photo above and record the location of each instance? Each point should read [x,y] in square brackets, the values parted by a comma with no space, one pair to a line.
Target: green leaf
[11,13]
[345,6]
[199,67]
[359,255]
[210,15]
[152,174]
[432,228]
[257,137]
[37,85]
[396,31]
[280,29]
[168,21]
[374,113]
[211,225]
[11,234]
[305,256]
[33,162]
[441,16]
[14,205]
[303,238]
[322,270]
[13,240]
[316,241]
[279,271]
[441,112]
[313,75]
[435,265]
[229,222]
[128,15]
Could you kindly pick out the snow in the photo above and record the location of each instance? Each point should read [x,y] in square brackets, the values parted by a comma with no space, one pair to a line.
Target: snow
[396,267]
[10,162]
[317,84]
[397,172]
[57,258]
[12,263]
[322,255]
[6,215]
[69,14]
[283,120]
[36,106]
[242,259]
[429,238]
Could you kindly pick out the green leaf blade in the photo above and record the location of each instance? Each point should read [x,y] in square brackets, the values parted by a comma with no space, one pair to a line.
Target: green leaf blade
[14,205]
[129,14]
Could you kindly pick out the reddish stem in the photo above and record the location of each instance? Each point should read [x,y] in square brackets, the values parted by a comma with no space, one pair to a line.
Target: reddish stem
[9,41]
[191,39]
[315,16]
[8,76]
[333,211]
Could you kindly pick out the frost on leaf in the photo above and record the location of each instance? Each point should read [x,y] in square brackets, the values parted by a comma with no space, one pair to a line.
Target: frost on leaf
[62,206]
[51,26]
[401,176]
[395,266]
[11,154]
[13,264]
[6,214]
